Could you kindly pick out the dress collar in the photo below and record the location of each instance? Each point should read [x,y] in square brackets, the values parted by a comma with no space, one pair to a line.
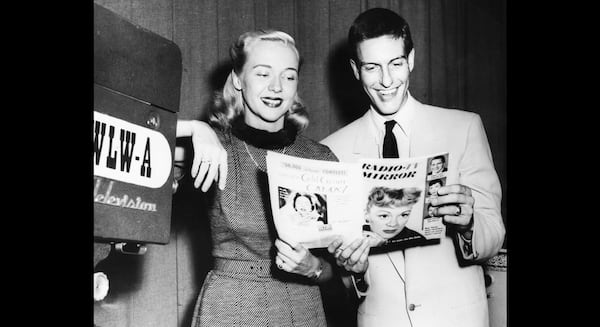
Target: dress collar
[263,139]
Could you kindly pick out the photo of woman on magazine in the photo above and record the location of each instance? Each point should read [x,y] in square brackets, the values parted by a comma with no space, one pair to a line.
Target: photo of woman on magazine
[303,209]
[387,213]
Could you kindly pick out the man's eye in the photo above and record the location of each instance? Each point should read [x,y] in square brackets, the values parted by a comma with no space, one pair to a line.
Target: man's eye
[369,67]
[262,74]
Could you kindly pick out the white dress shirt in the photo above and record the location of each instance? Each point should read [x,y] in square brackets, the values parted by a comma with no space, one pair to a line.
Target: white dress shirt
[401,130]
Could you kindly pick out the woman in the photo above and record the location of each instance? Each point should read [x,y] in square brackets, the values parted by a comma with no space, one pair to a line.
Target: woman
[258,280]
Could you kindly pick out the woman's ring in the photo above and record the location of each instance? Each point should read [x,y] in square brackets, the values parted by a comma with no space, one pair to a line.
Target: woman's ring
[458,210]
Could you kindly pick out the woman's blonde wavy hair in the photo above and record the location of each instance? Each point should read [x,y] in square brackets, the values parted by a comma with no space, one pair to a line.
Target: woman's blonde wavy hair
[228,104]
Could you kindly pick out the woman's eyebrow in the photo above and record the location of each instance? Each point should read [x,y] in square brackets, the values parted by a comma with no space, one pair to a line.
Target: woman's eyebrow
[269,66]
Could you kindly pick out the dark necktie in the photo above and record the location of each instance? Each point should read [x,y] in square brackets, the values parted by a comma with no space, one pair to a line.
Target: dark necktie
[390,147]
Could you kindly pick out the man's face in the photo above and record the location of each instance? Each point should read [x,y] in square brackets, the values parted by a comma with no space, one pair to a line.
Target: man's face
[436,166]
[388,221]
[383,68]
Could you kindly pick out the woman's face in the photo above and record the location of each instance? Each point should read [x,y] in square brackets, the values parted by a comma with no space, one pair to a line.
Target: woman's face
[388,221]
[303,206]
[269,83]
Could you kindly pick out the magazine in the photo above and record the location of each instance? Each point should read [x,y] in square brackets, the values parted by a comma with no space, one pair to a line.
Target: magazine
[314,201]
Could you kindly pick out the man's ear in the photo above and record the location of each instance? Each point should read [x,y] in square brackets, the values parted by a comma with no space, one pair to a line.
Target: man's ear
[354,69]
[236,81]
[411,60]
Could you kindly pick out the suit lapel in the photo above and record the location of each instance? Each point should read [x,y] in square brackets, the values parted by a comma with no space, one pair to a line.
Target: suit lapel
[420,133]
[397,260]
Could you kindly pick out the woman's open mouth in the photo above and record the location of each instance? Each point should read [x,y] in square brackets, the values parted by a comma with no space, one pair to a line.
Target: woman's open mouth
[272,102]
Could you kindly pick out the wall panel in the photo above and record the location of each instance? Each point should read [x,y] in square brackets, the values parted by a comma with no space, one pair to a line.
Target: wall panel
[346,98]
[281,15]
[313,43]
[195,32]
[155,15]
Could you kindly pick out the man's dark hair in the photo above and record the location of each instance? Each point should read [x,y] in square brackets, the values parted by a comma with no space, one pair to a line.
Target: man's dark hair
[442,158]
[376,22]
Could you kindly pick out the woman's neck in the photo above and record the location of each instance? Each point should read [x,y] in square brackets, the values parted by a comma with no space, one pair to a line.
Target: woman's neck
[270,127]
[261,138]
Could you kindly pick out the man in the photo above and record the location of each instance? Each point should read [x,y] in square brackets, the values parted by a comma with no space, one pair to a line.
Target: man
[435,285]
[437,165]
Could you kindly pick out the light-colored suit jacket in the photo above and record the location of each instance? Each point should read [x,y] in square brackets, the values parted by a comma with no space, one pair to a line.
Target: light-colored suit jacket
[425,286]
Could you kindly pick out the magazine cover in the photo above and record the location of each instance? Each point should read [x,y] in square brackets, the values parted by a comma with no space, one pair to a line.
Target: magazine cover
[313,201]
[398,192]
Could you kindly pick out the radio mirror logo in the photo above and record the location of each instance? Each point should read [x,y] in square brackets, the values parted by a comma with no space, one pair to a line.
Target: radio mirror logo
[130,153]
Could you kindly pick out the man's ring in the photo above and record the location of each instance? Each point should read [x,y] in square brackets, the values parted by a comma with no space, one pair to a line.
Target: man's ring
[458,210]
[280,266]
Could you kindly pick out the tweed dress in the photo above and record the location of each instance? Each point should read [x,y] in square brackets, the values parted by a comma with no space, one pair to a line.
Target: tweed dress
[245,288]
